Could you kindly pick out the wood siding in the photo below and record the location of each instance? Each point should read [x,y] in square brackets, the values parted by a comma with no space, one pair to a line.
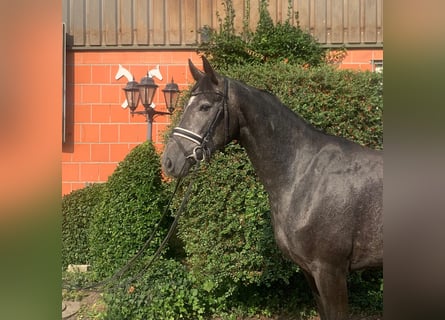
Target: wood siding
[140,24]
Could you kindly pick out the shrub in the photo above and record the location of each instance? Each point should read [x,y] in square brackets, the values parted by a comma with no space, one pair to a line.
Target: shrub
[77,211]
[268,43]
[132,204]
[166,291]
[340,102]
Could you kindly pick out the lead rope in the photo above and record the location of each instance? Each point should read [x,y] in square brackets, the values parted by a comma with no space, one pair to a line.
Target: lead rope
[171,230]
[128,265]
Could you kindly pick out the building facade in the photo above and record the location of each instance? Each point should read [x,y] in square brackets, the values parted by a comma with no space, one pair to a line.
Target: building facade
[141,35]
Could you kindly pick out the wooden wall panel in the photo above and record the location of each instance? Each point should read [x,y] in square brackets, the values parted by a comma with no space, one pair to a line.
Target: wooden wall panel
[93,22]
[176,23]
[109,22]
[189,24]
[337,21]
[370,21]
[354,21]
[125,16]
[141,22]
[320,20]
[204,13]
[158,16]
[303,9]
[77,22]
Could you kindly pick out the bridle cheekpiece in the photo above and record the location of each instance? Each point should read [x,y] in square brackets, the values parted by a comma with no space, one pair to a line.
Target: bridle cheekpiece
[202,150]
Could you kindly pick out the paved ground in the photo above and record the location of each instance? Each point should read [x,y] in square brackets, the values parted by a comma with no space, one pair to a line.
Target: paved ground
[69,309]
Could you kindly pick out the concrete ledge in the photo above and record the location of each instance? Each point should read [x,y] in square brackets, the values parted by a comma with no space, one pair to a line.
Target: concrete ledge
[78,267]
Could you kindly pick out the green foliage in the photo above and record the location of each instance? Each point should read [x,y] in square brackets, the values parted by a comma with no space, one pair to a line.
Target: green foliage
[366,290]
[340,102]
[77,211]
[268,43]
[132,204]
[166,291]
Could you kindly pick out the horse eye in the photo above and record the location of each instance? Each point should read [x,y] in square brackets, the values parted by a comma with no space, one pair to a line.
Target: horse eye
[205,107]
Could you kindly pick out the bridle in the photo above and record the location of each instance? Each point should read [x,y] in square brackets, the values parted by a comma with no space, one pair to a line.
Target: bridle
[203,143]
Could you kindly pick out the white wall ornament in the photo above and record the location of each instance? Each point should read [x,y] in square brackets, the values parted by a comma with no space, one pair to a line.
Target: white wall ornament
[123,72]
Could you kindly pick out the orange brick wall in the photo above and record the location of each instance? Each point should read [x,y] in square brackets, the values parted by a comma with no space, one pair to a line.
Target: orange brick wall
[99,132]
[360,59]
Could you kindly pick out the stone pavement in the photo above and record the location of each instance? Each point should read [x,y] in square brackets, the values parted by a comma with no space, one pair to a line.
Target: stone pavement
[69,308]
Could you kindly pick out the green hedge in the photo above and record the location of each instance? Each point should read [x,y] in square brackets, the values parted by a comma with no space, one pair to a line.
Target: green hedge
[344,103]
[269,42]
[132,204]
[165,291]
[78,208]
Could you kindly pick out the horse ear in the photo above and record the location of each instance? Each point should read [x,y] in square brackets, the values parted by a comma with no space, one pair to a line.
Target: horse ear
[209,70]
[196,73]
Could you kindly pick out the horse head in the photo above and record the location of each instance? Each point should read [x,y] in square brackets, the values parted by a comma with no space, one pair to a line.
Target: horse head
[204,124]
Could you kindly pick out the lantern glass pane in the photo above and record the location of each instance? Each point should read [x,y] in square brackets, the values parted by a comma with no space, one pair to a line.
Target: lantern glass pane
[171,98]
[132,98]
[147,94]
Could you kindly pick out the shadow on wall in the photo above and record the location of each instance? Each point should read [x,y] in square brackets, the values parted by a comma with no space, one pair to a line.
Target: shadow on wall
[68,144]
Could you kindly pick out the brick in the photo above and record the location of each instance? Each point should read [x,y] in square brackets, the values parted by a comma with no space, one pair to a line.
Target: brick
[89,172]
[77,185]
[70,171]
[177,72]
[361,56]
[82,113]
[77,93]
[119,114]
[90,93]
[66,156]
[109,133]
[100,114]
[377,54]
[101,74]
[100,152]
[151,56]
[131,146]
[106,170]
[77,132]
[90,132]
[116,57]
[111,94]
[82,74]
[82,152]
[135,133]
[66,187]
[118,152]
[89,57]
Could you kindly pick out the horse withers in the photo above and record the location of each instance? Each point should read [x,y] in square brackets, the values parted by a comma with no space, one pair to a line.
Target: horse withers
[325,192]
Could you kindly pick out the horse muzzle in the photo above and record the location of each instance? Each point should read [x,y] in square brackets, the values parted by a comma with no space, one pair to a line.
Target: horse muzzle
[177,162]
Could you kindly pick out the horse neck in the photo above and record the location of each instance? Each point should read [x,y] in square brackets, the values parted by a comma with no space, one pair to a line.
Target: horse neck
[273,136]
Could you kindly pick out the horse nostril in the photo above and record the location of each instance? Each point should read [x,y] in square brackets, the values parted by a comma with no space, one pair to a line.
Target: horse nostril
[168,164]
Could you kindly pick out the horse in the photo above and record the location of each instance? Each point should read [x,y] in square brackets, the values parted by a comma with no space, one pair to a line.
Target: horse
[325,192]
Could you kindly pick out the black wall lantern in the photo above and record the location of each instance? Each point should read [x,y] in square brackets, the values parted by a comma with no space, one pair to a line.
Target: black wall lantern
[144,92]
[171,95]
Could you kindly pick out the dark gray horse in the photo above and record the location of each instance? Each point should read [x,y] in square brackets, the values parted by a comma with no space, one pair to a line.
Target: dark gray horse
[325,192]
